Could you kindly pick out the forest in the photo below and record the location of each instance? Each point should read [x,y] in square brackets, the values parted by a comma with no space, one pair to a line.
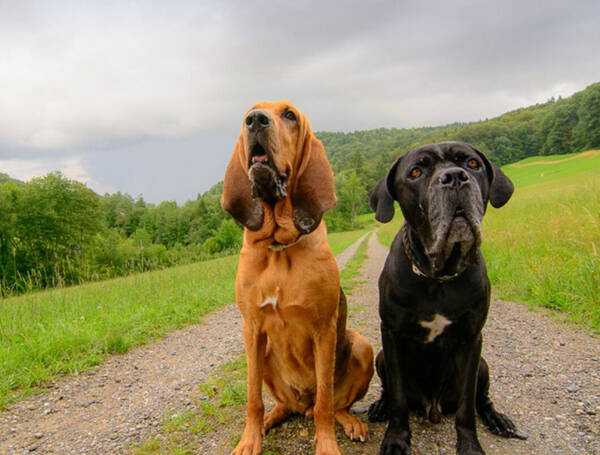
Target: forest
[58,232]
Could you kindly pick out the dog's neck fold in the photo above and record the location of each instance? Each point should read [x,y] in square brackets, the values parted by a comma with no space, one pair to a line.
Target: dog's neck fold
[278,231]
[421,265]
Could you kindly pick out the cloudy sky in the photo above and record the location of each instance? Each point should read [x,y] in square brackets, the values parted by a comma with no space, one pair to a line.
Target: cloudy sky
[147,97]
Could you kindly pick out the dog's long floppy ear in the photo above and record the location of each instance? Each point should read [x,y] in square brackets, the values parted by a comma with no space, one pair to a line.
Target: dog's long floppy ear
[381,199]
[501,187]
[237,192]
[314,187]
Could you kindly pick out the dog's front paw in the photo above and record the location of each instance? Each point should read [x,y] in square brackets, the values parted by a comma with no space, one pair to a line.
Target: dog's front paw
[501,425]
[248,446]
[395,443]
[327,447]
[469,447]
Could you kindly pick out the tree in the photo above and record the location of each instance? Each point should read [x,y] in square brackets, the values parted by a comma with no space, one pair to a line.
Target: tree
[586,135]
[57,220]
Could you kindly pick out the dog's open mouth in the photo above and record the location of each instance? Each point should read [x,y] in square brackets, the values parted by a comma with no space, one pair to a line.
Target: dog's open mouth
[459,212]
[268,183]
[258,155]
[457,243]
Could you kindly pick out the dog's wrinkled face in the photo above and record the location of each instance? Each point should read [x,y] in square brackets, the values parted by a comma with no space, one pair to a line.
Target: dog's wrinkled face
[271,132]
[443,190]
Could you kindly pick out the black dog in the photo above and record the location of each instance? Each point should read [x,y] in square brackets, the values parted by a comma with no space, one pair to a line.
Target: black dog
[434,293]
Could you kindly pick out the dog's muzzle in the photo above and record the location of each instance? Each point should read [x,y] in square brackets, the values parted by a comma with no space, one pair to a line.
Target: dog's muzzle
[455,213]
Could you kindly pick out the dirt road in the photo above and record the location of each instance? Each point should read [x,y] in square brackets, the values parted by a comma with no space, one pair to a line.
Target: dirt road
[545,375]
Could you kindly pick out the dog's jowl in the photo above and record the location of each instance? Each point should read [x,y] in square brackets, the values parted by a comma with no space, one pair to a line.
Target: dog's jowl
[435,294]
[278,184]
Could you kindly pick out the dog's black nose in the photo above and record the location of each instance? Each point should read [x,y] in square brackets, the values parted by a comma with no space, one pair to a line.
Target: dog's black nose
[257,120]
[453,177]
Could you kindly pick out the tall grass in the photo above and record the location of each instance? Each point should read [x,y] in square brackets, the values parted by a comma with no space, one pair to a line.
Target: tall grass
[544,247]
[51,333]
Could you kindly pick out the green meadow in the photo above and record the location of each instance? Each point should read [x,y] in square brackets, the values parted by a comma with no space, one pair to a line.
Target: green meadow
[48,334]
[543,247]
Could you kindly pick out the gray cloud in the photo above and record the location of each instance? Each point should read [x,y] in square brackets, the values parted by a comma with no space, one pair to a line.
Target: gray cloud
[147,98]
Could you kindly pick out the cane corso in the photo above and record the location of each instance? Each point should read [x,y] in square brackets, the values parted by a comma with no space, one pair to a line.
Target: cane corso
[434,294]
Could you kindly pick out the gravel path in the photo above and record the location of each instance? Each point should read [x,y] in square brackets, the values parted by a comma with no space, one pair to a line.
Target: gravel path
[346,255]
[544,374]
[103,411]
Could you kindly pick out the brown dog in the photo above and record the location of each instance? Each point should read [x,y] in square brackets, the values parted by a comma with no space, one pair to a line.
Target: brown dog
[278,184]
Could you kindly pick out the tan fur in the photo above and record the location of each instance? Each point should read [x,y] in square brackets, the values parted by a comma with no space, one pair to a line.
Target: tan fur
[290,299]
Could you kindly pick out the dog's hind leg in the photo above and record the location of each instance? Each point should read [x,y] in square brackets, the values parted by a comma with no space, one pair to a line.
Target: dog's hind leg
[352,385]
[378,410]
[495,421]
[277,415]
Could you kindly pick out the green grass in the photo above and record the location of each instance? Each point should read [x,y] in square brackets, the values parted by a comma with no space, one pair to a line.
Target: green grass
[387,231]
[47,334]
[52,333]
[339,241]
[541,169]
[350,273]
[543,247]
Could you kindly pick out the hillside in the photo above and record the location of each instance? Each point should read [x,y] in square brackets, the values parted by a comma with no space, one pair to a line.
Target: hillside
[5,178]
[557,127]
[541,169]
[54,231]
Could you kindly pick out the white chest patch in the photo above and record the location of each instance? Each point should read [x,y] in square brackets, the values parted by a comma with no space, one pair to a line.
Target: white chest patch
[269,301]
[436,327]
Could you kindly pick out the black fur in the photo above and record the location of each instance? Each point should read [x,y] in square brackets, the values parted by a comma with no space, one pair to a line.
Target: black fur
[443,202]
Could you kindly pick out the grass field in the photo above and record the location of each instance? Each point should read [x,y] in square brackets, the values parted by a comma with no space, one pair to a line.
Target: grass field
[51,333]
[543,247]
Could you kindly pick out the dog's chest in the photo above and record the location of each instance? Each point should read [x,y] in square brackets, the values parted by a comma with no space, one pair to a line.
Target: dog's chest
[434,327]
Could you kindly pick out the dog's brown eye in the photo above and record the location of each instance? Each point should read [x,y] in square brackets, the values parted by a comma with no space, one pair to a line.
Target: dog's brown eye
[290,115]
[473,164]
[415,172]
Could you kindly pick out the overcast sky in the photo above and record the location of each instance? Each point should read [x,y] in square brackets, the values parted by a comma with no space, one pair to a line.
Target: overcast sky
[147,97]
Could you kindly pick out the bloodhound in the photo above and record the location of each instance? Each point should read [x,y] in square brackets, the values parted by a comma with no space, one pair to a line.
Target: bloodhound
[278,184]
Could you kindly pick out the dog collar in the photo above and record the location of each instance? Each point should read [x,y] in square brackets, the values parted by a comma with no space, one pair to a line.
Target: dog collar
[417,271]
[276,246]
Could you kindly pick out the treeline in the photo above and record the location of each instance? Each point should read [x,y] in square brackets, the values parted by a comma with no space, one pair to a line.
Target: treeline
[563,125]
[55,231]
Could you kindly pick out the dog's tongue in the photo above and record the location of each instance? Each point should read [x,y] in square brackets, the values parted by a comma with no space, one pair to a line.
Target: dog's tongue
[259,158]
